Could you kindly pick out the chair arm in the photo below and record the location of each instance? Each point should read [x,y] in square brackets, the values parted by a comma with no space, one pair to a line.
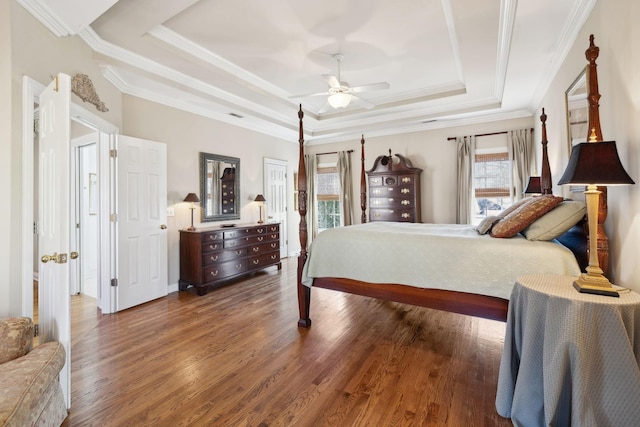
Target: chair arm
[16,337]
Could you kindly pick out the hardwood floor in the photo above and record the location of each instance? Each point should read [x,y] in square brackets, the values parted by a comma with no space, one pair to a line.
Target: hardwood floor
[235,357]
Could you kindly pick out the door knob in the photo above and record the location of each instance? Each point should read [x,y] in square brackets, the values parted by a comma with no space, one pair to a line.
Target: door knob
[46,258]
[73,255]
[163,227]
[56,257]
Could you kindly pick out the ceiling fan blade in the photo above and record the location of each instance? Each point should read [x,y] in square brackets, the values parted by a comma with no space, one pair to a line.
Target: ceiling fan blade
[366,104]
[306,95]
[333,81]
[372,86]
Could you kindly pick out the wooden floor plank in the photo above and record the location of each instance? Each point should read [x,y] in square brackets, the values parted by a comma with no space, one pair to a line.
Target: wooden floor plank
[236,357]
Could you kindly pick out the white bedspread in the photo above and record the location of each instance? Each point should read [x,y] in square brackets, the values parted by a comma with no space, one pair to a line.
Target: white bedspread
[442,256]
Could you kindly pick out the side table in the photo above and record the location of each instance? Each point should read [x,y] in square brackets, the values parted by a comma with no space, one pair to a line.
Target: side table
[569,358]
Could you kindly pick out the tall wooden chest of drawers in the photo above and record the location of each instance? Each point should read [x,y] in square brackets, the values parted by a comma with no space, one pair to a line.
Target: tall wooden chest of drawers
[394,190]
[211,256]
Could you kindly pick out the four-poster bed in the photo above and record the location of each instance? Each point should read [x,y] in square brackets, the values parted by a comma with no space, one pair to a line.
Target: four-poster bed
[356,242]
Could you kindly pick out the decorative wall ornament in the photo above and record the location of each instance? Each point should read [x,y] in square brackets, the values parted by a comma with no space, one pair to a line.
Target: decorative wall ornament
[82,86]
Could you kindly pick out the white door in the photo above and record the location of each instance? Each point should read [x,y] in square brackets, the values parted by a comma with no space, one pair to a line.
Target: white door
[275,179]
[53,218]
[142,273]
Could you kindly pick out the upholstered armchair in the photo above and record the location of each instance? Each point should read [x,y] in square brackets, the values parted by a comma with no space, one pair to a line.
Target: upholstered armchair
[30,392]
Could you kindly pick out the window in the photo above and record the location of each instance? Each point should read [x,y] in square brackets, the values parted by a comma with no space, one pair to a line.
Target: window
[491,183]
[328,196]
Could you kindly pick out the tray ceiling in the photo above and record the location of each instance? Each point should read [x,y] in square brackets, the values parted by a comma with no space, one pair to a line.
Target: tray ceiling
[243,62]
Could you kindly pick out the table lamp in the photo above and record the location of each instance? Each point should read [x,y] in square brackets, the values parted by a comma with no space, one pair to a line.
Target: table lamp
[533,187]
[594,163]
[193,198]
[260,199]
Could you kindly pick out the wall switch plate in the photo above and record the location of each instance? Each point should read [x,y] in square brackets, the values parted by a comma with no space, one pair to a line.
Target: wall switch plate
[171,212]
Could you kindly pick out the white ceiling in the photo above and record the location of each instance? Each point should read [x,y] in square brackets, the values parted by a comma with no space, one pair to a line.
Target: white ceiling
[448,62]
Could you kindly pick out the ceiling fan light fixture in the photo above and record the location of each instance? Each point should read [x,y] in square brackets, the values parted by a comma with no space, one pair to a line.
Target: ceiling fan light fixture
[339,100]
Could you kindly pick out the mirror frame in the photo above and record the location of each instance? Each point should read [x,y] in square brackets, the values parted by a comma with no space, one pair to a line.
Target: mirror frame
[577,105]
[204,158]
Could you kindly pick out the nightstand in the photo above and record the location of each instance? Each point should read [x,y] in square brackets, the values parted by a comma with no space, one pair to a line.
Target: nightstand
[569,358]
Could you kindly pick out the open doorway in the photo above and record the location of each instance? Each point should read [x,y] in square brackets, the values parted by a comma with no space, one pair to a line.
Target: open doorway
[83,123]
[85,219]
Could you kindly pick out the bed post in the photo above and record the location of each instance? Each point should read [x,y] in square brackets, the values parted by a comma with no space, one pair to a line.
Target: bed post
[593,96]
[545,178]
[363,186]
[304,292]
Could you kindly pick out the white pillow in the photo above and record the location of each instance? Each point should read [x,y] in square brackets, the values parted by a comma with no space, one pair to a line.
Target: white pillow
[556,222]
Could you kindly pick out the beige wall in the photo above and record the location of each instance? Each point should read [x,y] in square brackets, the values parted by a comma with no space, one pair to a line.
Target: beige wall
[186,135]
[614,25]
[8,302]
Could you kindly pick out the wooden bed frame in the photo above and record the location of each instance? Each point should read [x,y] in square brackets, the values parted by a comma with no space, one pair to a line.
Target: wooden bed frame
[453,301]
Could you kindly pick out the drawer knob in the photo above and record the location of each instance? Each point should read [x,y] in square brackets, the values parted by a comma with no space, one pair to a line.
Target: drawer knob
[214,258]
[260,238]
[238,266]
[214,273]
[274,256]
[238,252]
[256,249]
[256,262]
[405,202]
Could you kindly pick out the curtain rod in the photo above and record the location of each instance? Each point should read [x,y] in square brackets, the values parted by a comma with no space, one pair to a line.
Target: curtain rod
[453,138]
[332,152]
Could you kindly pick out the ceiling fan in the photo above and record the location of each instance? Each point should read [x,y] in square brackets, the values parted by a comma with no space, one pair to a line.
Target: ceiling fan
[340,94]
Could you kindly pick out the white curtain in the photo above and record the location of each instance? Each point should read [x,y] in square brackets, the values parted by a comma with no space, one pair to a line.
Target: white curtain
[520,147]
[466,154]
[346,187]
[312,215]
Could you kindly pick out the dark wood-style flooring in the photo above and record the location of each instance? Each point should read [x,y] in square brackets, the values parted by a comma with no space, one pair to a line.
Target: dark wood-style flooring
[235,357]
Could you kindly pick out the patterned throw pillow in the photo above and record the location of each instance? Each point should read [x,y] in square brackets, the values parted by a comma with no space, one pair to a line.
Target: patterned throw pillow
[524,215]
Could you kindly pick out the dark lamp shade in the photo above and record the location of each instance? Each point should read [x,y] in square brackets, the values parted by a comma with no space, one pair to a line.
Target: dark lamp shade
[533,187]
[260,198]
[191,197]
[595,163]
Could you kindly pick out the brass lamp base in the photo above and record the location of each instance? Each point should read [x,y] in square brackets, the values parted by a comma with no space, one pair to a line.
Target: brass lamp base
[595,284]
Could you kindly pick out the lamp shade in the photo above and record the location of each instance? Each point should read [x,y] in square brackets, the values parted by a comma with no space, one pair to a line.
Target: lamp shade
[259,198]
[533,187]
[339,100]
[595,163]
[191,197]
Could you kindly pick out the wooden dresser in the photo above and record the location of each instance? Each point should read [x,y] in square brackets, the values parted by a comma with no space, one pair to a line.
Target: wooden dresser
[394,190]
[210,256]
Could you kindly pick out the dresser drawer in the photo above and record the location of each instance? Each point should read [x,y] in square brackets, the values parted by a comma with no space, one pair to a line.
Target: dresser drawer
[212,236]
[263,248]
[212,246]
[224,269]
[234,243]
[391,191]
[273,228]
[258,261]
[253,240]
[222,256]
[398,215]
